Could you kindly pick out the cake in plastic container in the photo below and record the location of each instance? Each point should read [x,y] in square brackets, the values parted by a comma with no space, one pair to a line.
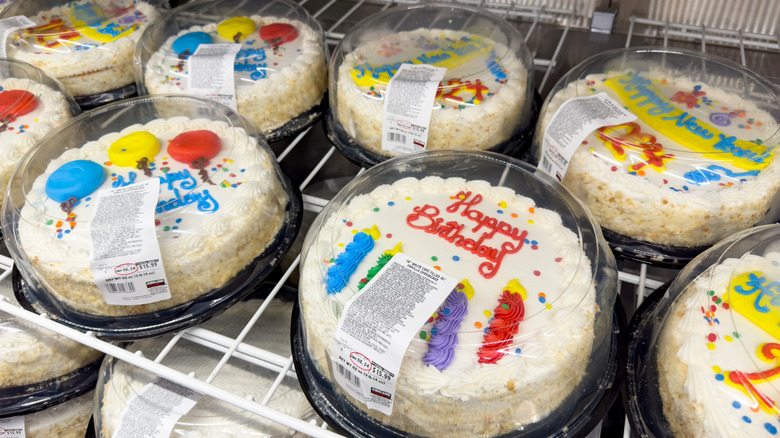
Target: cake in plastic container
[31,105]
[40,368]
[69,419]
[703,358]
[485,100]
[280,71]
[695,163]
[122,384]
[85,44]
[224,216]
[521,345]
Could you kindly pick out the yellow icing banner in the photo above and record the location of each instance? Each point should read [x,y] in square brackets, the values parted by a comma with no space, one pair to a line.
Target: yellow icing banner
[758,299]
[651,106]
[458,53]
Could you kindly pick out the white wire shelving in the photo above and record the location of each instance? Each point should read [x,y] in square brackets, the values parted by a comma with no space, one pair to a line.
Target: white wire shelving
[548,32]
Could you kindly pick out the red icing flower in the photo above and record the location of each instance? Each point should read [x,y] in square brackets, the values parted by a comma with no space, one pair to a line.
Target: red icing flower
[505,325]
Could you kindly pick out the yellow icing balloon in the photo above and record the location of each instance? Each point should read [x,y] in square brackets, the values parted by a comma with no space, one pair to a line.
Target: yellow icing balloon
[395,250]
[241,26]
[373,232]
[128,150]
[515,286]
[106,32]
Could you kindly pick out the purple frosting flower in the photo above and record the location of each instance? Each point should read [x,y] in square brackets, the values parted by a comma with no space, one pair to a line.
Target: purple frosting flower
[441,346]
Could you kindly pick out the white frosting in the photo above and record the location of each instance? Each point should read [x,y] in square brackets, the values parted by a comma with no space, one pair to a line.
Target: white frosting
[554,339]
[203,244]
[466,124]
[19,135]
[668,206]
[211,417]
[69,419]
[285,80]
[86,65]
[695,355]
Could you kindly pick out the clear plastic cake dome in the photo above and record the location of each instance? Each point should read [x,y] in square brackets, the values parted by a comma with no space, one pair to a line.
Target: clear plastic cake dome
[70,418]
[703,354]
[124,389]
[671,149]
[39,368]
[31,105]
[433,305]
[147,215]
[86,44]
[279,74]
[475,93]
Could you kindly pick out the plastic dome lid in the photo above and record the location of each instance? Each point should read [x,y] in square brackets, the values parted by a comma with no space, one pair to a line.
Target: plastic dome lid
[31,105]
[692,161]
[120,382]
[39,368]
[488,82]
[528,274]
[702,360]
[222,219]
[279,72]
[86,44]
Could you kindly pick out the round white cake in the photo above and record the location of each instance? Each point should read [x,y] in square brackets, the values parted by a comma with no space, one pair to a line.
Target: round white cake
[280,71]
[211,417]
[691,169]
[65,420]
[215,214]
[520,271]
[28,111]
[481,103]
[718,350]
[86,44]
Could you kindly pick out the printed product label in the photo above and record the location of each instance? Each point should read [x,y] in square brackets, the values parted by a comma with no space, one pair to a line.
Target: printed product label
[407,111]
[124,254]
[212,73]
[378,324]
[12,427]
[154,411]
[571,123]
[9,25]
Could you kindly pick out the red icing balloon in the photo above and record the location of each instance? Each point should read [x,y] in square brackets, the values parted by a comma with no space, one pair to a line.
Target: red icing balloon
[191,146]
[279,33]
[16,103]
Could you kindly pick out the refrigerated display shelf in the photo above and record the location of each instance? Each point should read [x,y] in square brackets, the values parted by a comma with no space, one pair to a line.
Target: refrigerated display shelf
[318,168]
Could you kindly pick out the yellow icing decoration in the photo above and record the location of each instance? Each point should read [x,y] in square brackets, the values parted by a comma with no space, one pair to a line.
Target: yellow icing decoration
[751,295]
[654,109]
[234,27]
[515,286]
[502,204]
[395,250]
[458,53]
[91,21]
[468,289]
[128,150]
[373,232]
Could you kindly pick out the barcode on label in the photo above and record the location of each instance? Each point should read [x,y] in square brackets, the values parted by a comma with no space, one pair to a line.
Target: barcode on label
[120,287]
[353,379]
[546,165]
[396,138]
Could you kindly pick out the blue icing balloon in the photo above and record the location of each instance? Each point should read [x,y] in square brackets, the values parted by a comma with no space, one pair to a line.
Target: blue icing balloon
[76,179]
[189,42]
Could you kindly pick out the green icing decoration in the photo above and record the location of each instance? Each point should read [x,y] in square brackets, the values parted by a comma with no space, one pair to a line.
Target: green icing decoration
[380,263]
[423,335]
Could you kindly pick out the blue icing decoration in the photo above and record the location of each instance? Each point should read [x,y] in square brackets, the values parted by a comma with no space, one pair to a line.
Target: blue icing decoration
[347,262]
[189,42]
[713,173]
[76,179]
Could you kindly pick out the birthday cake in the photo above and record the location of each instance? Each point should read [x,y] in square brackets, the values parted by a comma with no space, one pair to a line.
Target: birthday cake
[482,102]
[718,352]
[509,344]
[28,110]
[65,420]
[120,382]
[221,204]
[696,165]
[86,44]
[30,354]
[280,71]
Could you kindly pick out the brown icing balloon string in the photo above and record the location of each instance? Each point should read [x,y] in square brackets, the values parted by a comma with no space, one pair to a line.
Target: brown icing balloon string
[201,164]
[68,205]
[143,164]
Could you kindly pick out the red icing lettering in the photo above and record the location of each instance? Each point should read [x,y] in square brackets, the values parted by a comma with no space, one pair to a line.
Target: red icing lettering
[426,218]
[630,136]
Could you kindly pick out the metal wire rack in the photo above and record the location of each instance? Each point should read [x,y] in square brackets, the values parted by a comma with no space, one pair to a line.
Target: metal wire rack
[313,164]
